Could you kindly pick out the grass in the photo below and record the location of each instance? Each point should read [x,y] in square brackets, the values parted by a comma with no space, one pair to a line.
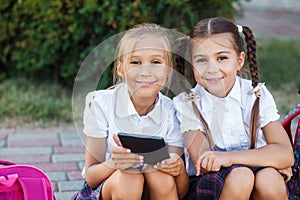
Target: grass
[279,65]
[24,102]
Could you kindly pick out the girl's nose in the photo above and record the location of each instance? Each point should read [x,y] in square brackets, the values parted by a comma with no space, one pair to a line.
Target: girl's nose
[145,70]
[211,67]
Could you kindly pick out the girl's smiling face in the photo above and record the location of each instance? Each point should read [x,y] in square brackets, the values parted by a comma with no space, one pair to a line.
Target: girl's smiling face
[216,63]
[147,70]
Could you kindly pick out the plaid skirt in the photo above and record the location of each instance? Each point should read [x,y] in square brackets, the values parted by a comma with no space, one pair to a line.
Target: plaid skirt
[87,193]
[208,186]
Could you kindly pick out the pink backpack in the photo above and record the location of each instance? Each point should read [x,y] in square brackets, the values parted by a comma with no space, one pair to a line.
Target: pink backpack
[294,184]
[24,182]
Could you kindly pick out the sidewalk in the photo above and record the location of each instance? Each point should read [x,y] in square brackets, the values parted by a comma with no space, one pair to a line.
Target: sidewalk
[279,19]
[58,151]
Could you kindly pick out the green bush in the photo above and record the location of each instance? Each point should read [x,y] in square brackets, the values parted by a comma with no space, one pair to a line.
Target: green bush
[49,39]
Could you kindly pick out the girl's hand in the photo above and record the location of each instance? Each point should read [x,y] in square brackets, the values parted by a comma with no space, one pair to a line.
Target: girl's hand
[286,173]
[124,159]
[212,161]
[172,166]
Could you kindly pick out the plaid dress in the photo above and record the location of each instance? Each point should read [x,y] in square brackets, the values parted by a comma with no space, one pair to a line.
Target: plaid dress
[208,186]
[87,193]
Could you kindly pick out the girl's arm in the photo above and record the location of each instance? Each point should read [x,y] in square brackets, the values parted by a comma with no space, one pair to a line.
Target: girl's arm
[277,153]
[196,144]
[97,168]
[95,162]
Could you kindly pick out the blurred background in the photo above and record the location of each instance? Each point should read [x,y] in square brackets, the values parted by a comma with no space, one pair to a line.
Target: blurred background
[43,43]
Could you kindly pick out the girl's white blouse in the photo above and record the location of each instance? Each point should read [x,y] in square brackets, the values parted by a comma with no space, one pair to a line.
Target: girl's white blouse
[228,117]
[109,112]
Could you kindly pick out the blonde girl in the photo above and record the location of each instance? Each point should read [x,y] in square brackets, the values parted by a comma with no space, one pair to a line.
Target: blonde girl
[225,161]
[135,105]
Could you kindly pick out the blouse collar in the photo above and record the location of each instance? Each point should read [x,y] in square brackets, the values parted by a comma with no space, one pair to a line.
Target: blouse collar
[234,94]
[125,107]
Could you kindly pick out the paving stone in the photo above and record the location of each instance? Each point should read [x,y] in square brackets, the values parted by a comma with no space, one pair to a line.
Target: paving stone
[64,186]
[26,151]
[69,149]
[81,165]
[6,131]
[57,167]
[32,143]
[3,136]
[32,136]
[75,175]
[56,158]
[3,143]
[71,140]
[57,176]
[64,195]
[54,186]
[27,159]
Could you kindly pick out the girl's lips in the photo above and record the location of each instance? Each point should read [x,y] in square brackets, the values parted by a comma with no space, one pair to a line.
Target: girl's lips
[146,83]
[213,80]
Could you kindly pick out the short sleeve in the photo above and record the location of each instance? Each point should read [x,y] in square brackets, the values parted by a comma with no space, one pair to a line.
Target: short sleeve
[186,116]
[94,119]
[268,109]
[173,137]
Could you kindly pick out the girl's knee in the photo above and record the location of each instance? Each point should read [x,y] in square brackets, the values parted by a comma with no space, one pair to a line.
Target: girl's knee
[161,183]
[126,185]
[269,184]
[240,177]
[238,184]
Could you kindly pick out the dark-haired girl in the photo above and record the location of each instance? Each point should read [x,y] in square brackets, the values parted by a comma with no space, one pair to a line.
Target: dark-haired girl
[236,146]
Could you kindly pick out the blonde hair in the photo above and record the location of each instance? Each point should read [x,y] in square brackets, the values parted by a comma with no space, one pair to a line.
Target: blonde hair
[132,36]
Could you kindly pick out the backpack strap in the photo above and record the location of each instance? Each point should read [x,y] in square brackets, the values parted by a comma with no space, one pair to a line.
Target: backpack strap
[294,112]
[190,96]
[5,162]
[208,133]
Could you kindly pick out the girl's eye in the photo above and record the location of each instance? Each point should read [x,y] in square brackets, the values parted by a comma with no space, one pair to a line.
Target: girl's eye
[156,62]
[135,62]
[200,60]
[222,58]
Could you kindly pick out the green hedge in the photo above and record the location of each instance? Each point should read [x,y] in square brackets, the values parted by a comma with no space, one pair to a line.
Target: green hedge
[49,39]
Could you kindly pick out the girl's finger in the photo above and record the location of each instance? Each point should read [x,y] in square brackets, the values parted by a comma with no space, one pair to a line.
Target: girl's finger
[128,157]
[204,163]
[210,164]
[117,140]
[198,166]
[119,153]
[164,165]
[120,150]
[216,166]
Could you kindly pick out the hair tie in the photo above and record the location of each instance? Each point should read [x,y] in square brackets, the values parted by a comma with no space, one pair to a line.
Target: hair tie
[256,90]
[240,28]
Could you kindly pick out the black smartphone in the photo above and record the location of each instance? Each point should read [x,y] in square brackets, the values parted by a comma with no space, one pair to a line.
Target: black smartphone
[153,148]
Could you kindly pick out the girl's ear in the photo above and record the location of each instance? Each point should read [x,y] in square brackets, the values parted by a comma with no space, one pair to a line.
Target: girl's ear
[120,71]
[241,60]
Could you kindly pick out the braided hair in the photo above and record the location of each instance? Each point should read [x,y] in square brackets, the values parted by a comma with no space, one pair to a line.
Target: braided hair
[211,26]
